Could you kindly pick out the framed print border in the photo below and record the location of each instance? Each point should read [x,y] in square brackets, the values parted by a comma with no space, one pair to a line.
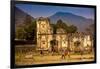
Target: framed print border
[51,4]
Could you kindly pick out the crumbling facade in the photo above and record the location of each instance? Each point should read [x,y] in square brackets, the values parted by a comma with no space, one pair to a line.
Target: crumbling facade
[62,39]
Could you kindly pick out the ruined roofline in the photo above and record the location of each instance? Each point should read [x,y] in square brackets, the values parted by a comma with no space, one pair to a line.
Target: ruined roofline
[43,19]
[60,30]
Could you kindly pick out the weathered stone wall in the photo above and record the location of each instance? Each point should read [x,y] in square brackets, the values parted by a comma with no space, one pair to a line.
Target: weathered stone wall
[64,40]
[44,33]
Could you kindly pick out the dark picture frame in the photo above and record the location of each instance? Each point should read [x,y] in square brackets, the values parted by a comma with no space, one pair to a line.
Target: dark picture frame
[13,3]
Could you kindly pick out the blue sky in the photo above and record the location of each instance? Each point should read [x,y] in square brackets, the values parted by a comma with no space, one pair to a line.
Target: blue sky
[45,11]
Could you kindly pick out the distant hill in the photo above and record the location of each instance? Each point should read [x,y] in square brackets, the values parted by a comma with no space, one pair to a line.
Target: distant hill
[69,18]
[20,16]
[81,22]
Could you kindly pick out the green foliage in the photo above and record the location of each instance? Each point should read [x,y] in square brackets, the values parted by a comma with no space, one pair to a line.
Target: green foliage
[30,30]
[72,29]
[61,24]
[27,30]
[20,33]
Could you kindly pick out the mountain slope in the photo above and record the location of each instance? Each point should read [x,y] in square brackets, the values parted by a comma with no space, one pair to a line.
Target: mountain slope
[20,16]
[81,22]
[69,18]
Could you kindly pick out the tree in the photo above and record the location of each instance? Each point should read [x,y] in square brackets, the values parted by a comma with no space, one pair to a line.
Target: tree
[72,29]
[61,24]
[69,29]
[20,33]
[27,30]
[30,30]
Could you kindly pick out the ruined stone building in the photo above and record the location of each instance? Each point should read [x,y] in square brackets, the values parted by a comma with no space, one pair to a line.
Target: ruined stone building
[62,39]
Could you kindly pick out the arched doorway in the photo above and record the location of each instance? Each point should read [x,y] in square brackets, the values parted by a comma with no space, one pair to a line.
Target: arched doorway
[77,46]
[54,45]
